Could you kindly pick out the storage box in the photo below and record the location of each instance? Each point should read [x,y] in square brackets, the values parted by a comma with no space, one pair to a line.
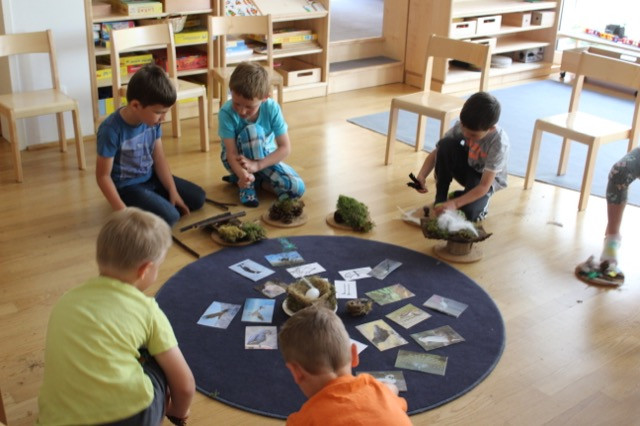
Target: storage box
[488,24]
[529,55]
[461,29]
[186,59]
[489,41]
[521,19]
[295,72]
[139,8]
[172,6]
[543,17]
[107,27]
[191,36]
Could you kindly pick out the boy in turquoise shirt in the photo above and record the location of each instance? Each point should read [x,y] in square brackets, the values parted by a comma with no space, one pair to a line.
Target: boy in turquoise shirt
[255,139]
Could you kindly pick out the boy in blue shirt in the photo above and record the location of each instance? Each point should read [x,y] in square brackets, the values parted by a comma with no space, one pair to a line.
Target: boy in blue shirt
[131,168]
[255,139]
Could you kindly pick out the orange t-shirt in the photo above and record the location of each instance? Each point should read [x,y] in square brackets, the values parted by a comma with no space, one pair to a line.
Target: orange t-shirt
[349,400]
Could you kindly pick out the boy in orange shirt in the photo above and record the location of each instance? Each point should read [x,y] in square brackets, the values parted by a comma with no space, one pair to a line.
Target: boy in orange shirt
[322,368]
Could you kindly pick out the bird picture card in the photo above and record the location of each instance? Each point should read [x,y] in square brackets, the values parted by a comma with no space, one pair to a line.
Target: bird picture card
[306,270]
[359,345]
[384,268]
[219,315]
[446,306]
[393,293]
[287,258]
[395,377]
[272,288]
[355,274]
[261,337]
[408,316]
[345,289]
[258,310]
[426,363]
[381,335]
[437,337]
[252,270]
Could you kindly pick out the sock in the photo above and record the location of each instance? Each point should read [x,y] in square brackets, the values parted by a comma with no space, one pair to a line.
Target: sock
[248,197]
[610,248]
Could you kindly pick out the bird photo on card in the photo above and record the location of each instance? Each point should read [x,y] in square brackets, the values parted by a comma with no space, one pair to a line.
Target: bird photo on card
[381,335]
[258,310]
[219,315]
[261,337]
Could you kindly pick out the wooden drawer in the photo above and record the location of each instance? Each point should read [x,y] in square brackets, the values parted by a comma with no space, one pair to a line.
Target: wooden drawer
[295,72]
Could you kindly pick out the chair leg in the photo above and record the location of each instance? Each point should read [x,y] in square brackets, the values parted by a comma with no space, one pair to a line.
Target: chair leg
[204,124]
[422,125]
[210,90]
[15,148]
[391,134]
[82,162]
[533,158]
[175,120]
[62,135]
[585,190]
[564,156]
[224,89]
[281,95]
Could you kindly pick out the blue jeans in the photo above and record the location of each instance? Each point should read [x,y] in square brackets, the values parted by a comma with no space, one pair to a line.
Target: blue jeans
[154,413]
[153,197]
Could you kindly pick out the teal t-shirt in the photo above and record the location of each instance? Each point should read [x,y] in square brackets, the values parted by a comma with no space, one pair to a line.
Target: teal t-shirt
[92,374]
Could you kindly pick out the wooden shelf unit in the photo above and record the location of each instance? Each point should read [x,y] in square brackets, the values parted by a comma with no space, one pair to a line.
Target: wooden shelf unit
[287,14]
[436,17]
[96,52]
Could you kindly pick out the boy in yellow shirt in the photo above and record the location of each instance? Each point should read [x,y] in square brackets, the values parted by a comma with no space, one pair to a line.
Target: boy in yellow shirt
[111,355]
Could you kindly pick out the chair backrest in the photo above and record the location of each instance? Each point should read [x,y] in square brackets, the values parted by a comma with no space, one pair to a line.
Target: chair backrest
[222,26]
[145,37]
[444,48]
[34,42]
[608,70]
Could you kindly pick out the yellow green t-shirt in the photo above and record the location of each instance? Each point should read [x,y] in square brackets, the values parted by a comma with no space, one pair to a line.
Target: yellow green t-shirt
[92,374]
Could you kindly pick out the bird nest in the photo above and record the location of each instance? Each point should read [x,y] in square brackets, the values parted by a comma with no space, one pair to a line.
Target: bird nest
[430,229]
[297,298]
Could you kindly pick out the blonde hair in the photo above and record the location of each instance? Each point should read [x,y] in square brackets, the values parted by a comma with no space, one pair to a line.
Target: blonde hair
[250,80]
[130,237]
[316,339]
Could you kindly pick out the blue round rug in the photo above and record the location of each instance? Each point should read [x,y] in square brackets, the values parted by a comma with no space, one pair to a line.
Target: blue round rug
[258,381]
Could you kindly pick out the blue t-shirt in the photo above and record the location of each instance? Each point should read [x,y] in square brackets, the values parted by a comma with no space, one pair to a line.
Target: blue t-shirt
[270,118]
[131,148]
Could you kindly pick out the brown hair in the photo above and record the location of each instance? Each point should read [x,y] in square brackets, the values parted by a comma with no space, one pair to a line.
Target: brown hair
[316,339]
[130,237]
[250,80]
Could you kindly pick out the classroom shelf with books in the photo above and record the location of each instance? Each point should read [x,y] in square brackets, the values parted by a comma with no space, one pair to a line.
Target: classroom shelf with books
[188,18]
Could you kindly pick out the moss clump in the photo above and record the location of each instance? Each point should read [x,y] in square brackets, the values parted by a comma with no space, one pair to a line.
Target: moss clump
[353,213]
[286,210]
[239,232]
[430,229]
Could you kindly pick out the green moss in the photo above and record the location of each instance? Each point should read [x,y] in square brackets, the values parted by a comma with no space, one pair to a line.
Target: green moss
[231,233]
[254,231]
[353,213]
[286,210]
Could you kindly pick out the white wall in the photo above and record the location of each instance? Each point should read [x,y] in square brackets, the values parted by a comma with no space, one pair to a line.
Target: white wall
[66,18]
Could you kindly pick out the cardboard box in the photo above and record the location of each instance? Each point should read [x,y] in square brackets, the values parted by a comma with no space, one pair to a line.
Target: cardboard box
[543,17]
[142,59]
[107,27]
[295,72]
[192,36]
[100,9]
[172,6]
[139,8]
[488,24]
[461,29]
[529,55]
[521,19]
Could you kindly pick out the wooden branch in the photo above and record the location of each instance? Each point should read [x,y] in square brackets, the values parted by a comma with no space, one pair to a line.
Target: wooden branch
[224,217]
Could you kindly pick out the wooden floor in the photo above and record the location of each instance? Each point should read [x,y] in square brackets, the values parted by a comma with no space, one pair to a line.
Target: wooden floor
[572,350]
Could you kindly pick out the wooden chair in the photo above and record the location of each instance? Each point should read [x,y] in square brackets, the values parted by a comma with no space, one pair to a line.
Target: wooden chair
[38,102]
[219,73]
[151,37]
[585,128]
[434,104]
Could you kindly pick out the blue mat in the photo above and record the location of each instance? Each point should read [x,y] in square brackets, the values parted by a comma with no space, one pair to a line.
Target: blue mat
[258,381]
[521,106]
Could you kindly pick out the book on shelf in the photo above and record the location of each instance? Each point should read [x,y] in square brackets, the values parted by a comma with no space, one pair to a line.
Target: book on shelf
[240,8]
[136,7]
[234,42]
[286,35]
[284,7]
[238,51]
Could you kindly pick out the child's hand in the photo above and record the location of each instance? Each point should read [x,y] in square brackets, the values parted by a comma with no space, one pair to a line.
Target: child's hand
[246,179]
[417,184]
[447,205]
[249,165]
[177,201]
